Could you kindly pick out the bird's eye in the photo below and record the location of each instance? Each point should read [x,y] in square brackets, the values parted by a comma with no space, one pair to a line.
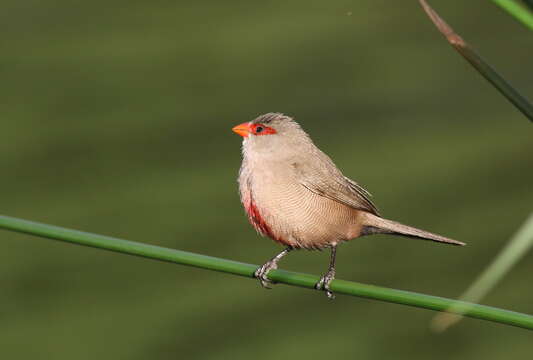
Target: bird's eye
[261,129]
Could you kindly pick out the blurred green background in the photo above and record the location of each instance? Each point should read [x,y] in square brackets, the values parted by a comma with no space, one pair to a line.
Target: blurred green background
[116,119]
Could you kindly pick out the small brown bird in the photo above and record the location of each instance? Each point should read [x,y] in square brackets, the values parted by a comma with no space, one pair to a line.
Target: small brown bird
[293,193]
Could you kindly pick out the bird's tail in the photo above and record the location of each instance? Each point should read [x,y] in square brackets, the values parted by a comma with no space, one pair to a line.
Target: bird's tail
[377,225]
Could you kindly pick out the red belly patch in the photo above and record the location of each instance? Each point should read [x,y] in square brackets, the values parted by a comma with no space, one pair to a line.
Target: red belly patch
[259,223]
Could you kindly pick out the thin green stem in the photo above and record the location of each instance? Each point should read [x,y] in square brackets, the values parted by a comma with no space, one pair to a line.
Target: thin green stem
[483,67]
[515,249]
[519,12]
[281,276]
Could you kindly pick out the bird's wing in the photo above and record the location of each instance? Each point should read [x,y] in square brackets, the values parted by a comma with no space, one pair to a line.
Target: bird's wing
[324,179]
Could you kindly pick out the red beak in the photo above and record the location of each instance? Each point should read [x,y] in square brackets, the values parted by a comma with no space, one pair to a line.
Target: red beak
[242,129]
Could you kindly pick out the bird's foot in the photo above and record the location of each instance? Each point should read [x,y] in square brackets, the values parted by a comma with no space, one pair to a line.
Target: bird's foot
[262,272]
[324,282]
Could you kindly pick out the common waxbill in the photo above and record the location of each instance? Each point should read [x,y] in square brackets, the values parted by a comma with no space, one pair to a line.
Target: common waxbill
[293,193]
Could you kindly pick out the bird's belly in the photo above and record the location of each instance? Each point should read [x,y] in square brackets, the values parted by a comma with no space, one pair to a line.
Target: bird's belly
[297,217]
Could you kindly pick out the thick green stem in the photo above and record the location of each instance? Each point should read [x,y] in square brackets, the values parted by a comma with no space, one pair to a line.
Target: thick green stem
[519,12]
[281,276]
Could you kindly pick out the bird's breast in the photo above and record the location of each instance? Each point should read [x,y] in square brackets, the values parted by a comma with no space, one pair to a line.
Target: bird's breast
[280,207]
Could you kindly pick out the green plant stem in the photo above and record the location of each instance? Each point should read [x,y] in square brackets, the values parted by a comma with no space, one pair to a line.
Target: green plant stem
[519,12]
[529,4]
[483,67]
[515,249]
[281,276]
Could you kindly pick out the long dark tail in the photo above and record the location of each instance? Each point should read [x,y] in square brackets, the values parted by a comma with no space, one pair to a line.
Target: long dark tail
[377,225]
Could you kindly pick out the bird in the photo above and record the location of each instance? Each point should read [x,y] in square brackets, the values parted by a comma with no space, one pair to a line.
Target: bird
[293,193]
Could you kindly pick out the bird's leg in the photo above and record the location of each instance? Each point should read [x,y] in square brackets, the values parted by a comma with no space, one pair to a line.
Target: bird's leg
[328,277]
[262,272]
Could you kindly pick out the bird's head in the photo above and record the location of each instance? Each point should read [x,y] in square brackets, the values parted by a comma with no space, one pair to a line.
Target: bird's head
[264,125]
[273,135]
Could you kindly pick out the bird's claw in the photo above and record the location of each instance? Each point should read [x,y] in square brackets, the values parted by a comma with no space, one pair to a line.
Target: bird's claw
[323,283]
[262,272]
